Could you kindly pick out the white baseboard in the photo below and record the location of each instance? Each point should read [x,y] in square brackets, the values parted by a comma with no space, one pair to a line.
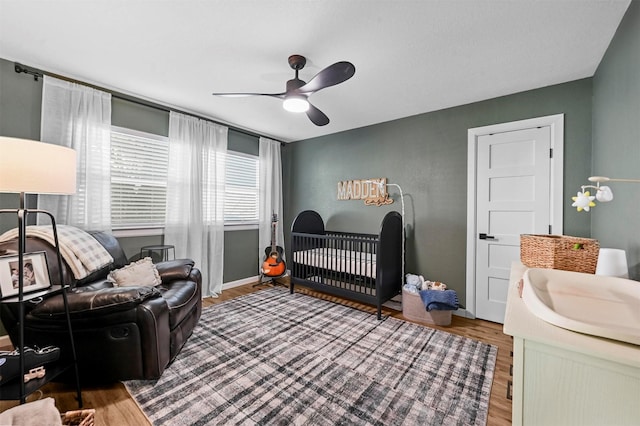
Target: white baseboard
[248,280]
[464,313]
[238,283]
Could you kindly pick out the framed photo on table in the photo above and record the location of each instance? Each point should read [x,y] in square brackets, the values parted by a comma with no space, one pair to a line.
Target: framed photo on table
[36,273]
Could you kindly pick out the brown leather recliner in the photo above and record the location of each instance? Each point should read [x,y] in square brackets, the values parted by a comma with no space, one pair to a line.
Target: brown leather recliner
[120,333]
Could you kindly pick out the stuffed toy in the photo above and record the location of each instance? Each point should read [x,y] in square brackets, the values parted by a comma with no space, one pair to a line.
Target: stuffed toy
[583,201]
[416,282]
[437,285]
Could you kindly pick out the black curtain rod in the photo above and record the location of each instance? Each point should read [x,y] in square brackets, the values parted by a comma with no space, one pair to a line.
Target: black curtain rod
[36,73]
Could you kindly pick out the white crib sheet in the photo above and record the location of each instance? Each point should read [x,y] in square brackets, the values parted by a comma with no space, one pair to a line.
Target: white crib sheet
[350,262]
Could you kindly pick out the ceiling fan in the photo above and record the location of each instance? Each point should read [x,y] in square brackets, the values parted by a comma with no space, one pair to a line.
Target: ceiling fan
[296,96]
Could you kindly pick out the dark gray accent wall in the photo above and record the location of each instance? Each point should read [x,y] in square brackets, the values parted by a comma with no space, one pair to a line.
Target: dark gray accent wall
[139,117]
[241,142]
[240,254]
[427,156]
[616,139]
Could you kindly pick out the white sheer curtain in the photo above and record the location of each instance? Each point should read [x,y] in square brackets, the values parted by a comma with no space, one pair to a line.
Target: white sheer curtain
[195,195]
[79,117]
[270,197]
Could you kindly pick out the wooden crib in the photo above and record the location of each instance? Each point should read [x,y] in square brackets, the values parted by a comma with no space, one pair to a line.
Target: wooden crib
[363,267]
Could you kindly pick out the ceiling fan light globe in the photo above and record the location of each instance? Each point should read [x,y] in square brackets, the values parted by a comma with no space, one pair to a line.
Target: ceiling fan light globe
[296,104]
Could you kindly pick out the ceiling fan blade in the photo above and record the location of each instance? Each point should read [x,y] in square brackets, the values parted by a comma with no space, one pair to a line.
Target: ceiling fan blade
[316,116]
[330,76]
[244,95]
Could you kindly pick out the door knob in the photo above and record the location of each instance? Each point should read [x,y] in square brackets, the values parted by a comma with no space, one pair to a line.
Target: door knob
[484,236]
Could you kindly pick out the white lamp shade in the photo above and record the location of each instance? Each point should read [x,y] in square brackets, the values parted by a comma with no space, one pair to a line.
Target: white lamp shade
[36,167]
[612,262]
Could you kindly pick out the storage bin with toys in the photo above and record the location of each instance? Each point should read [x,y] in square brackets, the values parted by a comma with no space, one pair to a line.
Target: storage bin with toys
[427,301]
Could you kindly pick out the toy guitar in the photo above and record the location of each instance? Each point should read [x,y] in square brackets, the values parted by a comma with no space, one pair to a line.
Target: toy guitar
[273,265]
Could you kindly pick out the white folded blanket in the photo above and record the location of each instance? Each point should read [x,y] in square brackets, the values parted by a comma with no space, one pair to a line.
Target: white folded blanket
[83,253]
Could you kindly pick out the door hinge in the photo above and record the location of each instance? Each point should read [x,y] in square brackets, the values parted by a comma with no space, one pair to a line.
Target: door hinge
[550,152]
[549,229]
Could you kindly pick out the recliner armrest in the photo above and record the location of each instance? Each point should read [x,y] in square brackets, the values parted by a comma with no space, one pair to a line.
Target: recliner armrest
[94,303]
[172,270]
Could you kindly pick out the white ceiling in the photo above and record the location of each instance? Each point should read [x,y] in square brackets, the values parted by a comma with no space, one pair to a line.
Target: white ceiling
[411,57]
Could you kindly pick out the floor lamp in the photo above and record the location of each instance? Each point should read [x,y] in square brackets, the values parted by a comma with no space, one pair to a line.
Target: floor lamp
[31,167]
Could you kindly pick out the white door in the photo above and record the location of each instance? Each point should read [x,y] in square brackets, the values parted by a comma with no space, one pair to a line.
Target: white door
[514,186]
[512,199]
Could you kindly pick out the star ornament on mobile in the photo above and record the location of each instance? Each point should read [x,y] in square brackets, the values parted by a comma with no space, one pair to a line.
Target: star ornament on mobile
[583,201]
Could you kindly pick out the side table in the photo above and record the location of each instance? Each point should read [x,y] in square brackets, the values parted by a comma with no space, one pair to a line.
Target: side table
[163,249]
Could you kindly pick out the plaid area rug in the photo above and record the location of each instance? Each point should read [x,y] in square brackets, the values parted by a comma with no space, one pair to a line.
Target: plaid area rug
[274,358]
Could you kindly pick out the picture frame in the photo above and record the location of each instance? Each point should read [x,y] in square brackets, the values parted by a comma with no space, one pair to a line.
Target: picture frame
[36,273]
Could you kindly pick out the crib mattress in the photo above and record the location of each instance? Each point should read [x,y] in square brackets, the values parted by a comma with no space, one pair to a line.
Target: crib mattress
[350,262]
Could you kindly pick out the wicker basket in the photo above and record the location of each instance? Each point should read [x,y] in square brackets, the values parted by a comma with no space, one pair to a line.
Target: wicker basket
[559,252]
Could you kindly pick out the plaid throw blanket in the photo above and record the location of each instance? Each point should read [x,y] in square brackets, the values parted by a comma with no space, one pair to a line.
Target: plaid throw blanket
[83,253]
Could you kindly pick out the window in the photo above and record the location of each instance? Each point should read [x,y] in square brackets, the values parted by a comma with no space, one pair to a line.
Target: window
[138,179]
[139,164]
[241,192]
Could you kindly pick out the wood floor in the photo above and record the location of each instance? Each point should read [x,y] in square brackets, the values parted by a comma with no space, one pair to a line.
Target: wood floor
[114,406]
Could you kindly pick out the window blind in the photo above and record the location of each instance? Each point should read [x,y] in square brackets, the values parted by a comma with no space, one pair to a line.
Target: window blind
[241,189]
[139,164]
[138,179]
